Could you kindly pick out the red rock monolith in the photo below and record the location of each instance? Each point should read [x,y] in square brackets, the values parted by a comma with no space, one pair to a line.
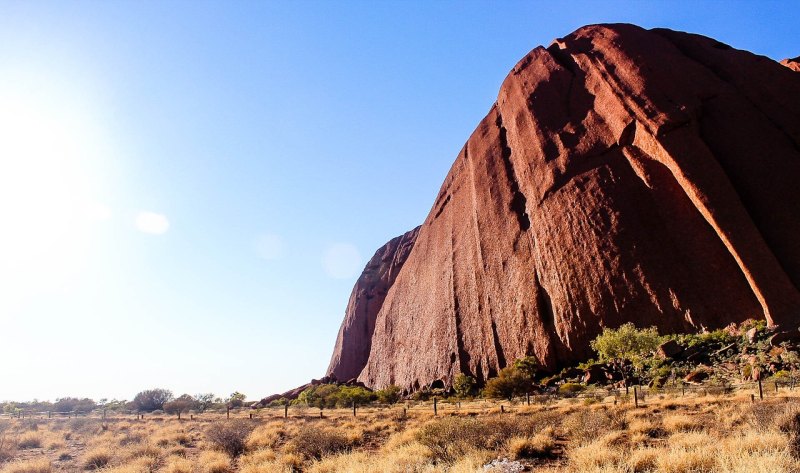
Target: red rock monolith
[623,175]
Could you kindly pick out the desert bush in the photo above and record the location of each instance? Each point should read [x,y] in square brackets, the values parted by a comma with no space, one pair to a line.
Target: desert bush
[455,437]
[569,389]
[230,436]
[82,426]
[29,424]
[679,423]
[538,446]
[765,416]
[586,425]
[30,440]
[266,436]
[315,442]
[508,383]
[97,458]
[8,447]
[389,395]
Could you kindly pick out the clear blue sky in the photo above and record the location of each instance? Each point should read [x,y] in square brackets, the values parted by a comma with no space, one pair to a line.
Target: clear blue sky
[188,190]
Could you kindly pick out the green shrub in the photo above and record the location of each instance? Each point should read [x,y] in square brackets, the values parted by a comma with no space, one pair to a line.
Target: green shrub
[333,395]
[464,385]
[512,381]
[389,395]
[626,343]
[571,388]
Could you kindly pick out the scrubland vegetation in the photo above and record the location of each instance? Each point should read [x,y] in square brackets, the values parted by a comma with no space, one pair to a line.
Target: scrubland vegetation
[579,420]
[726,433]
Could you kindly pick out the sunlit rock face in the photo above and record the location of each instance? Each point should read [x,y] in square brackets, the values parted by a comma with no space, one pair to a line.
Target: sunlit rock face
[793,64]
[355,335]
[622,175]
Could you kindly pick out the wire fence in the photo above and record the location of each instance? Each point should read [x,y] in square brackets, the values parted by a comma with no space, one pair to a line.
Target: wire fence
[638,396]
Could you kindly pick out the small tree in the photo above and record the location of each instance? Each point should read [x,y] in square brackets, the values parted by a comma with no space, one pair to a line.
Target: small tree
[464,385]
[204,401]
[528,366]
[151,400]
[626,344]
[236,399]
[181,404]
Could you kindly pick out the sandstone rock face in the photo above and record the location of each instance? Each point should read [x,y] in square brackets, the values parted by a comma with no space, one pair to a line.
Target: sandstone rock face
[623,175]
[793,64]
[355,335]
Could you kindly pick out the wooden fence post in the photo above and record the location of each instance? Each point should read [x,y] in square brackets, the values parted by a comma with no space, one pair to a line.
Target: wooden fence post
[760,389]
[286,410]
[435,410]
[635,397]
[251,414]
[528,398]
[776,386]
[502,409]
[752,397]
[354,408]
[228,412]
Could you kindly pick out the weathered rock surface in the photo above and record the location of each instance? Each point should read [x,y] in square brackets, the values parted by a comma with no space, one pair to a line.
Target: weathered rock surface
[623,175]
[793,64]
[355,335]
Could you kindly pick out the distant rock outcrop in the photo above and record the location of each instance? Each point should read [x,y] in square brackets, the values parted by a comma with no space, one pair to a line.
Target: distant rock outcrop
[793,64]
[623,175]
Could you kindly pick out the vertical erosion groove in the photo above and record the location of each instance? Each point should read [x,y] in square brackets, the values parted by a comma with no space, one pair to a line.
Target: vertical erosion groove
[459,334]
[518,201]
[498,347]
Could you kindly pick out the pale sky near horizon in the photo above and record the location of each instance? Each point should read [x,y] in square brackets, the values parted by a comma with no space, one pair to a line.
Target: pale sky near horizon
[189,190]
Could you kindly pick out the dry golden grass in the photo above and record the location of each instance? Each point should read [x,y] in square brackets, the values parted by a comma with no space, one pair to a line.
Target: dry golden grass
[97,458]
[30,440]
[214,462]
[178,465]
[666,435]
[28,466]
[540,445]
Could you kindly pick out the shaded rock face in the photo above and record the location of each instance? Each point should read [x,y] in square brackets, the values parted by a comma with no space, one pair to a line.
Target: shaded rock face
[355,335]
[793,64]
[623,175]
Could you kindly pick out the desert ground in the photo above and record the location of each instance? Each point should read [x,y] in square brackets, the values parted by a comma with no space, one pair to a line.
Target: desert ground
[700,430]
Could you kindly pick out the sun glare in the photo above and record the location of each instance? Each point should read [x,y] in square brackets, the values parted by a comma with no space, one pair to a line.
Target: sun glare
[47,204]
